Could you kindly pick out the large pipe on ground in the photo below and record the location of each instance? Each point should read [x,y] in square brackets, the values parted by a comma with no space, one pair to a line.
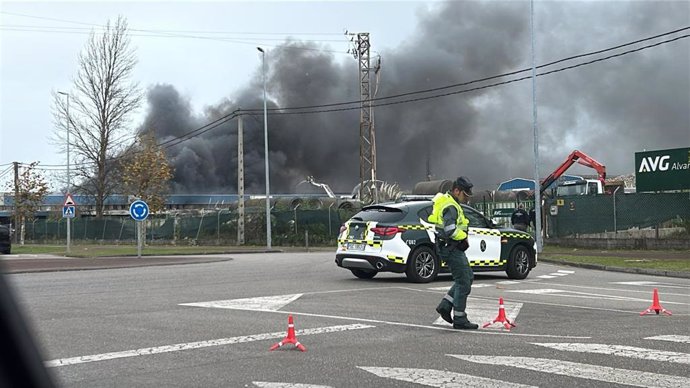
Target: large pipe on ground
[432,187]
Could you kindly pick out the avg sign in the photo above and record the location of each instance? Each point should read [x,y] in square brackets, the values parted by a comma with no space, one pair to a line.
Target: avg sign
[663,170]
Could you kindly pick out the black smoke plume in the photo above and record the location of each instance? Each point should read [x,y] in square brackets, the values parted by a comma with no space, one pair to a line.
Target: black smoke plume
[610,109]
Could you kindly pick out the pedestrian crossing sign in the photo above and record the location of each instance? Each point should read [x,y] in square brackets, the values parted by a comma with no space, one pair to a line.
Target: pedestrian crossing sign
[68,212]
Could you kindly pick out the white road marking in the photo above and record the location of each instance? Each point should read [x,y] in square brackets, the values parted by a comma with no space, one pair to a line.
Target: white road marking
[438,378]
[649,283]
[564,271]
[446,288]
[271,303]
[558,274]
[259,307]
[673,338]
[508,282]
[622,351]
[586,295]
[545,277]
[584,371]
[198,345]
[626,291]
[642,283]
[539,291]
[265,384]
[484,312]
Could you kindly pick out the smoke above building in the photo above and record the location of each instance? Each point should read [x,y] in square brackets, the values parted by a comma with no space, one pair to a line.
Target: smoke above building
[609,109]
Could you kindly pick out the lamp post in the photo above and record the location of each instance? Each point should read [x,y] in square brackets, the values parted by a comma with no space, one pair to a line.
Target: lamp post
[69,219]
[268,198]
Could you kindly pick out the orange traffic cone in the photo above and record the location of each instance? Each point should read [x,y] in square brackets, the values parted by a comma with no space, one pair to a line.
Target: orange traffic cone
[290,339]
[501,318]
[656,306]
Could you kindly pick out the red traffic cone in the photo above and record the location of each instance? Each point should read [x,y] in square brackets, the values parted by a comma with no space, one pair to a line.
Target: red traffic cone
[290,339]
[656,306]
[501,318]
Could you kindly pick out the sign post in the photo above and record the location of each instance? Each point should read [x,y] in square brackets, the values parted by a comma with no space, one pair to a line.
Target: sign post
[68,211]
[139,210]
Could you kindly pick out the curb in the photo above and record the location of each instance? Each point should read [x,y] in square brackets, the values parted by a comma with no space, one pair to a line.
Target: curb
[643,271]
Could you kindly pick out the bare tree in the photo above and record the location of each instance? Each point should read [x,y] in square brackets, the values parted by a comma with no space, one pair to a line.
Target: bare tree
[101,104]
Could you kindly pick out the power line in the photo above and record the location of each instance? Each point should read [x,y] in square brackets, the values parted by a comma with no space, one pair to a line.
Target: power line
[207,127]
[494,76]
[163,33]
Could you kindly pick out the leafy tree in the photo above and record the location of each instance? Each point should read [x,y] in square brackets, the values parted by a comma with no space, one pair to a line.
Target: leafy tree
[101,104]
[146,172]
[30,188]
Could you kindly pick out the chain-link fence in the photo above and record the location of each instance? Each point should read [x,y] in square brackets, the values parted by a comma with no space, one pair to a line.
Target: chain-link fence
[617,216]
[208,227]
[641,215]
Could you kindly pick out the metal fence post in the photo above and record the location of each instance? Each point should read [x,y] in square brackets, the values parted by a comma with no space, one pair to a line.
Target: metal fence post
[615,225]
[329,220]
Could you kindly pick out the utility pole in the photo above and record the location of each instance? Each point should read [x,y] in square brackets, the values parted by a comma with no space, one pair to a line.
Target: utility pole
[367,148]
[240,182]
[16,201]
[69,182]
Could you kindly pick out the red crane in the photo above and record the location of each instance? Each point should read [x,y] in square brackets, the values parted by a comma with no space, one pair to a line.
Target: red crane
[574,157]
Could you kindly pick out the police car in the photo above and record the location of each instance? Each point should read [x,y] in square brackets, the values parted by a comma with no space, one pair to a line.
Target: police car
[397,237]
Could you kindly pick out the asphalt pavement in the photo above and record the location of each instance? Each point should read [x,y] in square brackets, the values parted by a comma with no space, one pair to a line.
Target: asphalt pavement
[24,263]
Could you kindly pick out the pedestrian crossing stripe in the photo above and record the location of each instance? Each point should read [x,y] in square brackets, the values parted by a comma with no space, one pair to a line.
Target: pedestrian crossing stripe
[672,338]
[622,351]
[584,371]
[439,378]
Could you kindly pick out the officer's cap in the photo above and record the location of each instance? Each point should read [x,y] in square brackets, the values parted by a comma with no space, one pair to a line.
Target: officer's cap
[464,184]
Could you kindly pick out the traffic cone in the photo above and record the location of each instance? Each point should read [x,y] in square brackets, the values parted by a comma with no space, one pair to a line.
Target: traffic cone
[656,306]
[501,318]
[290,338]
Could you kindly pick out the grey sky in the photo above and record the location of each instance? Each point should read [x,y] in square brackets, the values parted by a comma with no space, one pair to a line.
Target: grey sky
[609,109]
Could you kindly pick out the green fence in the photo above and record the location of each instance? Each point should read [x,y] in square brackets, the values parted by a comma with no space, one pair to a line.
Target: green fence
[663,215]
[289,227]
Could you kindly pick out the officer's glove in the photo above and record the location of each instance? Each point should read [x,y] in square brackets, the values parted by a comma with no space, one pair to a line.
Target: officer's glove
[463,245]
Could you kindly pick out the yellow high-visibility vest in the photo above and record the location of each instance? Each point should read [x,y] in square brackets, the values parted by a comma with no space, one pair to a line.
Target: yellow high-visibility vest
[441,202]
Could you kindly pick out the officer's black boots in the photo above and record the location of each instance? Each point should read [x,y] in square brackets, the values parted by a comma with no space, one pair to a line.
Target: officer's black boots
[444,308]
[461,322]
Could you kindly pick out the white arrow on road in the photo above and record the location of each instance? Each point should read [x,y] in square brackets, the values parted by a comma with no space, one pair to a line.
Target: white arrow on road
[263,303]
[620,350]
[264,384]
[438,378]
[584,371]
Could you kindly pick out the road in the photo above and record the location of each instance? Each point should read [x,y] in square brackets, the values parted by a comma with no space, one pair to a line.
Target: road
[212,324]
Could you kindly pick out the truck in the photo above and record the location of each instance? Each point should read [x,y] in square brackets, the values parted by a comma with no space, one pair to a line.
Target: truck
[580,186]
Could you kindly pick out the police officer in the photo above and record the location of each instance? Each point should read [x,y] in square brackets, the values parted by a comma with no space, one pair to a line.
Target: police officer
[451,243]
[520,218]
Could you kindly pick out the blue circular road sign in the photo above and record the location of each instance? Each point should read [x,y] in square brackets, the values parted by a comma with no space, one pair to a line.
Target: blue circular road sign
[139,210]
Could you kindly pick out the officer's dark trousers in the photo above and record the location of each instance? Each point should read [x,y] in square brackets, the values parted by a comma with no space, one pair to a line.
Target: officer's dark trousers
[462,277]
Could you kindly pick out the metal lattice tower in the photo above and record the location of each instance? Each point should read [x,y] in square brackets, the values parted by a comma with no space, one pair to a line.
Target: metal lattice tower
[367,143]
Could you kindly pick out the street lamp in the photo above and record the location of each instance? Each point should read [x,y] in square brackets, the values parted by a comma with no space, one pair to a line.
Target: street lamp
[69,219]
[268,199]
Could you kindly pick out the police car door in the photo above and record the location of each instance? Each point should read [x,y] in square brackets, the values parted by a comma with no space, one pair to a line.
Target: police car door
[485,242]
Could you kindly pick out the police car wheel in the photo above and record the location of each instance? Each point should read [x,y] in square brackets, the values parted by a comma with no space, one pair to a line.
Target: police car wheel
[363,273]
[518,263]
[422,265]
